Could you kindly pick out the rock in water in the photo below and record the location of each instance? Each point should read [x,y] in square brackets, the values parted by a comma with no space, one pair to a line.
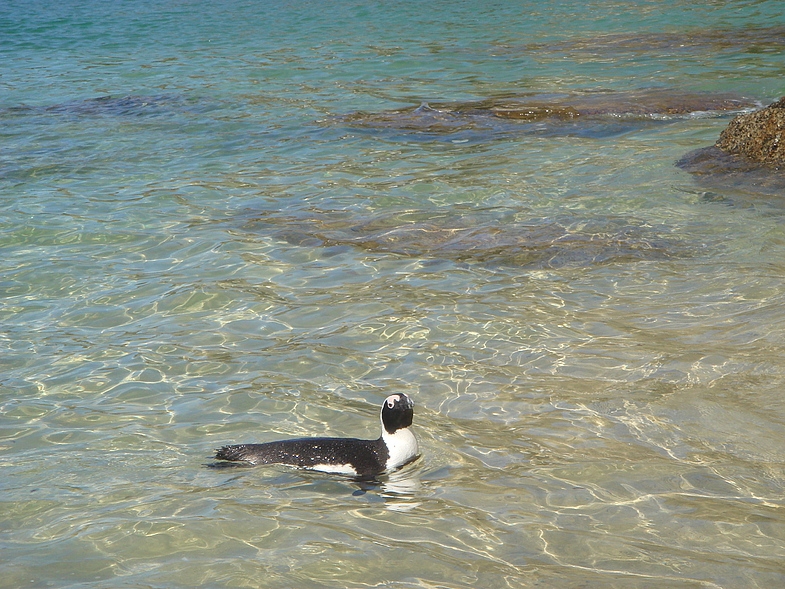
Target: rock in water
[759,136]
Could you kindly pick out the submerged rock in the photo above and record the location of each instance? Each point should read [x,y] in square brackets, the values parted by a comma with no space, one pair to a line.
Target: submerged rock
[598,114]
[494,238]
[647,104]
[748,39]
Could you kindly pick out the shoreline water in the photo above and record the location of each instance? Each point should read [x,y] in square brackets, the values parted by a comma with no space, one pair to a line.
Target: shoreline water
[592,339]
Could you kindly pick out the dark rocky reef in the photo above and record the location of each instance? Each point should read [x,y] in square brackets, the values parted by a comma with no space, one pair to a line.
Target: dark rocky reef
[113,106]
[748,156]
[489,237]
[117,105]
[593,114]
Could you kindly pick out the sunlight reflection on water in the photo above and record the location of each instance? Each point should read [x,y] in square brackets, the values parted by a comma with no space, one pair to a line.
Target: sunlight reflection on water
[192,257]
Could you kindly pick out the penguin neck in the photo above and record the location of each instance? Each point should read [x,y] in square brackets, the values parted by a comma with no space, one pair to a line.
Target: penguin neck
[402,446]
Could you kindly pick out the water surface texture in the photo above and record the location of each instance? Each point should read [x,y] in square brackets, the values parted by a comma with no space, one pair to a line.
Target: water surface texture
[218,224]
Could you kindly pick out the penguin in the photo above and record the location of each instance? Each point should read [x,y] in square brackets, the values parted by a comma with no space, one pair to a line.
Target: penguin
[396,447]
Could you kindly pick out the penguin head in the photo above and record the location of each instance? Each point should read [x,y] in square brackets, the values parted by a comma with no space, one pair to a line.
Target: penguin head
[397,412]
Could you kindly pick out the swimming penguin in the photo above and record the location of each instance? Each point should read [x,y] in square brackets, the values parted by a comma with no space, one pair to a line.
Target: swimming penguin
[351,456]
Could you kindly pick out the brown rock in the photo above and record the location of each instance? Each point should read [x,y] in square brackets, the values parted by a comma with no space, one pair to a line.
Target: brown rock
[759,136]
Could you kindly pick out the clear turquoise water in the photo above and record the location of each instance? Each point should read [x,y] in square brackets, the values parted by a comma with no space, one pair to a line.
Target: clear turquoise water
[199,259]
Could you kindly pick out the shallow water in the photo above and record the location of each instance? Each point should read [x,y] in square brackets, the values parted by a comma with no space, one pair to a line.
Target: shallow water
[194,254]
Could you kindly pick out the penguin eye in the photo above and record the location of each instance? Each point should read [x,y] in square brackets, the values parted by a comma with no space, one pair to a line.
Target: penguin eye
[391,401]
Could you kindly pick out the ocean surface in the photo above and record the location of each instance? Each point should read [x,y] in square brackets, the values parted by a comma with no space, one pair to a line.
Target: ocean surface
[241,221]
